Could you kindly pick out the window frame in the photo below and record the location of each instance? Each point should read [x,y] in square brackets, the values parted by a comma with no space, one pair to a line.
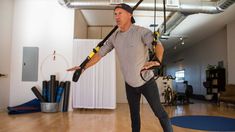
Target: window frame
[180,76]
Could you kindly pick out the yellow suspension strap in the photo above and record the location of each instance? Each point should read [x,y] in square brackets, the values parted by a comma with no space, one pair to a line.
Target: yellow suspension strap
[152,55]
[78,72]
[156,69]
[95,50]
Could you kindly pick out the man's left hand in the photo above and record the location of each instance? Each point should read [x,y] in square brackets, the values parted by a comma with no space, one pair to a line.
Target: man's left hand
[150,64]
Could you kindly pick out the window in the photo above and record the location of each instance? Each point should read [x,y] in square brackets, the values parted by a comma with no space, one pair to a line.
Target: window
[179,76]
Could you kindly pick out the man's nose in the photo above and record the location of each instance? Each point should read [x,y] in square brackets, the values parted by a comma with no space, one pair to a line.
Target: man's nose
[117,16]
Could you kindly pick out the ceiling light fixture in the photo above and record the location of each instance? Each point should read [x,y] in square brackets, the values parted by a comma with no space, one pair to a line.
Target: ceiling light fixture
[182,42]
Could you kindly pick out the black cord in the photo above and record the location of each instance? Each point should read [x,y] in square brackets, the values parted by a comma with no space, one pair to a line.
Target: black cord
[164,12]
[155,9]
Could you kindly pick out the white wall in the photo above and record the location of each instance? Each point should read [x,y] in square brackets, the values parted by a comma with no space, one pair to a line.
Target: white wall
[38,23]
[196,59]
[231,53]
[6,13]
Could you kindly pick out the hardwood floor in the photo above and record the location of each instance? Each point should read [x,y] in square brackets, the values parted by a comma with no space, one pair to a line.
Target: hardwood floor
[105,120]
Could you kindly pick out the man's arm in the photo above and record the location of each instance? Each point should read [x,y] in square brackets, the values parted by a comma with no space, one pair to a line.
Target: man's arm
[92,62]
[159,50]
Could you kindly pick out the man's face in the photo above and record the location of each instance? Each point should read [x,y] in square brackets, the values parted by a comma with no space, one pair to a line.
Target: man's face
[122,17]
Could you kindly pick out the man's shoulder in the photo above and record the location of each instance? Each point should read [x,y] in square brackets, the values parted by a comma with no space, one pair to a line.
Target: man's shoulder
[140,28]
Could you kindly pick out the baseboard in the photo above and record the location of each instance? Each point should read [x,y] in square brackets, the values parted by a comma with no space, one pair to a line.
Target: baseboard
[1,110]
[198,97]
[202,97]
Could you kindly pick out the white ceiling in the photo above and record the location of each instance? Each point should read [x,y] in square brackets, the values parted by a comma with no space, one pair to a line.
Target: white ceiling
[106,17]
[200,26]
[194,28]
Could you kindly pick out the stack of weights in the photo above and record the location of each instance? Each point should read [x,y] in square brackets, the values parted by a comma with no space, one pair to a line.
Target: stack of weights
[52,92]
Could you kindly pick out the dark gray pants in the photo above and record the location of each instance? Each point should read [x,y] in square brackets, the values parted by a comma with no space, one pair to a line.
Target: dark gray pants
[150,92]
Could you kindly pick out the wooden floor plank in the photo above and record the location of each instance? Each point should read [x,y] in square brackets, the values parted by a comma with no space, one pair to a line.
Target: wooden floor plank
[105,120]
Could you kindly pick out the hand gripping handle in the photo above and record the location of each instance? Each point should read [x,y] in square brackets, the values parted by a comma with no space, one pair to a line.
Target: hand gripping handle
[77,75]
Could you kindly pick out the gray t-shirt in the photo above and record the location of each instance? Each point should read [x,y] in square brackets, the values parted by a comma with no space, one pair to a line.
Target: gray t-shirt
[131,47]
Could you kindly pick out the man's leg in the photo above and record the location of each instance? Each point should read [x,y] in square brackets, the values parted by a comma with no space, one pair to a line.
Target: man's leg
[150,91]
[133,97]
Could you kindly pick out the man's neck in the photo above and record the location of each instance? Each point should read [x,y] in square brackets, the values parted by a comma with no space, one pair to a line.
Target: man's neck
[125,27]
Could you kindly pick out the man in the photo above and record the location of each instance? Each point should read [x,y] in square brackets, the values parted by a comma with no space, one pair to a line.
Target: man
[131,43]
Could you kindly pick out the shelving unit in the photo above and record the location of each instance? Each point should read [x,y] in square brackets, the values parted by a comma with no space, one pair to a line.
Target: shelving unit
[216,80]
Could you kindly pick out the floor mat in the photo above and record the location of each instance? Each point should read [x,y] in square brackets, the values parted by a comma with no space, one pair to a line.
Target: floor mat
[207,123]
